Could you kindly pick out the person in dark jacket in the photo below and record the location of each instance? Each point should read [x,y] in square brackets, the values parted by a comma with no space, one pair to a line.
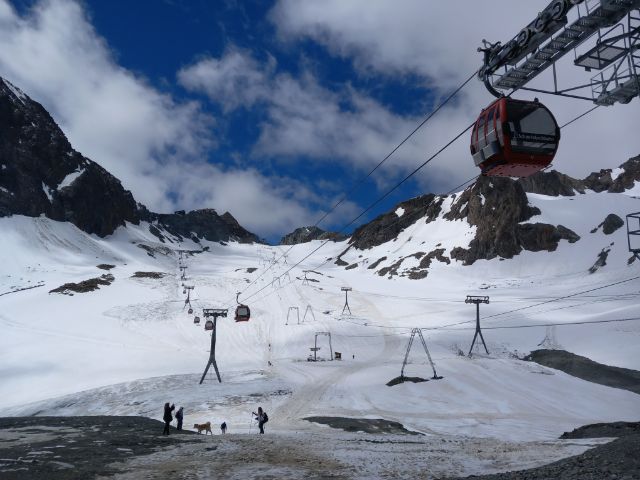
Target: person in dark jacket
[167,417]
[262,418]
[179,417]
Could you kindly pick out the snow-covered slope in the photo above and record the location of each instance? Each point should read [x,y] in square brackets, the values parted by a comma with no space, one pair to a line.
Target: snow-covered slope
[130,346]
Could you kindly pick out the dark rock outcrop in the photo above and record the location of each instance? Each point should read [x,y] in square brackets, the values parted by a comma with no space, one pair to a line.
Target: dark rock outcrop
[307,234]
[387,226]
[40,173]
[611,223]
[199,224]
[628,177]
[497,207]
[554,183]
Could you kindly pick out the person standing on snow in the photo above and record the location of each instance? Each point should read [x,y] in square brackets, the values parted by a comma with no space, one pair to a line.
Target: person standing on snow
[262,418]
[179,417]
[167,417]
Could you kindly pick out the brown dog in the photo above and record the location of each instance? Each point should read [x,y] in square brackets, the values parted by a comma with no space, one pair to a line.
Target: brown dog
[204,426]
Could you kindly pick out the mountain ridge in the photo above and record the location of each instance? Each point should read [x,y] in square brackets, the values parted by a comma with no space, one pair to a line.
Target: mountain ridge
[41,174]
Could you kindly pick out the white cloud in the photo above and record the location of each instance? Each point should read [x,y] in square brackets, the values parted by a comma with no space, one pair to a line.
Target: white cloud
[234,80]
[437,41]
[154,144]
[305,120]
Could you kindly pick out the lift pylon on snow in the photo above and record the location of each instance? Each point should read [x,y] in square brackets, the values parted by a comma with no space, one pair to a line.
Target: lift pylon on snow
[633,234]
[418,332]
[308,310]
[213,313]
[477,300]
[346,291]
[297,314]
[316,348]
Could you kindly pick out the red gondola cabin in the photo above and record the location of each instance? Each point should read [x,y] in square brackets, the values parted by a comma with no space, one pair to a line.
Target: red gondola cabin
[243,314]
[514,138]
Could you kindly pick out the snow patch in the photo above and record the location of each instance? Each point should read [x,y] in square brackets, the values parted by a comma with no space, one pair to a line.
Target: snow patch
[69,179]
[400,211]
[616,172]
[2,189]
[47,192]
[16,92]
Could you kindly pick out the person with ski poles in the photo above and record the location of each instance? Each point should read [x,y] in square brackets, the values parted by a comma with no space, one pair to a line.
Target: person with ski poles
[262,418]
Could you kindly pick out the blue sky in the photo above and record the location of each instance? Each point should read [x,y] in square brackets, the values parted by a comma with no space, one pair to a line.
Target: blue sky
[270,110]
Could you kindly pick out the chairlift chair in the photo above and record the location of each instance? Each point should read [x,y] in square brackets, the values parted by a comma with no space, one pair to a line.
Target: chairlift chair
[243,312]
[208,325]
[514,138]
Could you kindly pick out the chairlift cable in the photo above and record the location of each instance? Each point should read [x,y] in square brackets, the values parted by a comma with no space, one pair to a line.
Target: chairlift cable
[555,324]
[397,185]
[357,185]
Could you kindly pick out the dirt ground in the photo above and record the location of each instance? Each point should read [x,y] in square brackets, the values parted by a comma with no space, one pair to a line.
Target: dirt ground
[64,448]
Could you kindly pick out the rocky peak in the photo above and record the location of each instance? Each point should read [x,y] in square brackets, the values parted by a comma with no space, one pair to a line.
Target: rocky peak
[554,183]
[307,234]
[200,224]
[387,226]
[40,173]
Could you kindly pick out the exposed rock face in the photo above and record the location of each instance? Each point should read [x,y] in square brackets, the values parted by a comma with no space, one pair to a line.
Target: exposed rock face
[386,227]
[307,234]
[611,223]
[200,224]
[554,183]
[41,174]
[628,177]
[497,206]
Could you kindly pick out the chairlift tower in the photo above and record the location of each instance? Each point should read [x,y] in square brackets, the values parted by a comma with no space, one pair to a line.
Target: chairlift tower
[188,289]
[315,347]
[213,313]
[183,269]
[305,280]
[633,234]
[418,332]
[477,300]
[308,310]
[291,309]
[346,291]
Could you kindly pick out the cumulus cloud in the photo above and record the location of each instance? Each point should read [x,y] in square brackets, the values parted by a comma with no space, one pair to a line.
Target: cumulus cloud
[235,80]
[305,120]
[153,143]
[437,41]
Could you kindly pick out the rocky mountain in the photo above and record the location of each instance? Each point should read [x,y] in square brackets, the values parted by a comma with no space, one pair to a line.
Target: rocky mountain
[41,174]
[307,234]
[198,224]
[494,217]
